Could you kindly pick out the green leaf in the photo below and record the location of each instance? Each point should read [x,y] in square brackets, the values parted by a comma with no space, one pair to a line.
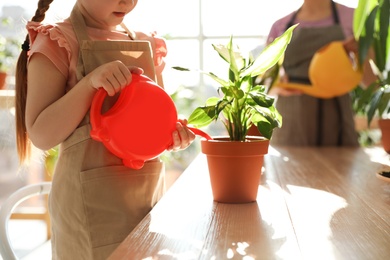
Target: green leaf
[180,68]
[265,129]
[269,114]
[266,120]
[216,78]
[367,39]
[261,99]
[222,51]
[212,101]
[230,55]
[271,76]
[221,105]
[228,92]
[384,103]
[246,84]
[271,54]
[233,63]
[366,95]
[374,105]
[387,54]
[360,15]
[238,93]
[202,116]
[210,74]
[258,88]
[384,39]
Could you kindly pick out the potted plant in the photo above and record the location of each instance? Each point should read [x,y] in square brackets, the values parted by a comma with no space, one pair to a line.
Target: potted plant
[235,161]
[8,54]
[371,28]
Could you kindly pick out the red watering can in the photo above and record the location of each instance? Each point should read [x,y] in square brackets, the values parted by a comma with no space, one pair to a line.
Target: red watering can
[139,126]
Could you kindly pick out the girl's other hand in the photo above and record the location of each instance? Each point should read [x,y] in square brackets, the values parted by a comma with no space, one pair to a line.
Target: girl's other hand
[112,76]
[182,137]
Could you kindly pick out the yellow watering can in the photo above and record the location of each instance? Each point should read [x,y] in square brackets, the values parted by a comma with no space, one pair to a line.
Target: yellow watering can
[331,73]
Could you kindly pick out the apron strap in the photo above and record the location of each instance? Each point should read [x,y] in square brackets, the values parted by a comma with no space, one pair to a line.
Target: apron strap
[291,22]
[79,26]
[80,29]
[335,14]
[131,33]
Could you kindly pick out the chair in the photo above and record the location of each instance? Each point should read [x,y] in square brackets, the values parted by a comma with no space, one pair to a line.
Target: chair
[9,205]
[38,215]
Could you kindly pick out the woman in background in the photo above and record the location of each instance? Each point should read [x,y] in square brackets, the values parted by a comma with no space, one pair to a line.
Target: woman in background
[309,120]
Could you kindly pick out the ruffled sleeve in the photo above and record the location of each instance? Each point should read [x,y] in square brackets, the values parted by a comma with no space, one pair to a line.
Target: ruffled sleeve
[159,53]
[49,41]
[159,49]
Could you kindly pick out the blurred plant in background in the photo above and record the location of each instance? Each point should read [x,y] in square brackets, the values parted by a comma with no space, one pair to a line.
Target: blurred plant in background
[372,31]
[185,101]
[9,49]
[50,160]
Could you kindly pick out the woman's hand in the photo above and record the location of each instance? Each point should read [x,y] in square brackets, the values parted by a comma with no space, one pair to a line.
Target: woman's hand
[351,45]
[182,137]
[285,92]
[112,76]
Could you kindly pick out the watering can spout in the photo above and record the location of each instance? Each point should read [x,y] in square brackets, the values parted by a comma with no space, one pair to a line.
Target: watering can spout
[200,133]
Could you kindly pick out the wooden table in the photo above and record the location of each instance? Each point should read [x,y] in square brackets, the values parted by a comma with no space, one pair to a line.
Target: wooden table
[313,203]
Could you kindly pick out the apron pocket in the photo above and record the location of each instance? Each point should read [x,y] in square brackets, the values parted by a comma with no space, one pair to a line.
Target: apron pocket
[117,198]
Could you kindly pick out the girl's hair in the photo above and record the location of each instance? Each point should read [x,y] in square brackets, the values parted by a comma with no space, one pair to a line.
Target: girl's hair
[23,143]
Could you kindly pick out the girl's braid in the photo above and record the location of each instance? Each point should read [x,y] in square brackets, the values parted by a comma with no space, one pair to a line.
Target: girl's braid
[43,6]
[22,139]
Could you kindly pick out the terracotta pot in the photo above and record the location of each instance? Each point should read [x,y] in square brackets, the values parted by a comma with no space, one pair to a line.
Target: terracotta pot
[235,167]
[3,76]
[384,125]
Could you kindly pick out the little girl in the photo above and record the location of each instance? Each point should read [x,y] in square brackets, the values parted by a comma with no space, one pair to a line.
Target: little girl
[95,200]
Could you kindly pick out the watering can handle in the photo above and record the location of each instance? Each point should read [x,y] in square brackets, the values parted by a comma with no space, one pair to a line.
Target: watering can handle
[95,111]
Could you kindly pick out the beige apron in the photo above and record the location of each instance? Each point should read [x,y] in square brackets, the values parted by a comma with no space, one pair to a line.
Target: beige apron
[96,201]
[308,120]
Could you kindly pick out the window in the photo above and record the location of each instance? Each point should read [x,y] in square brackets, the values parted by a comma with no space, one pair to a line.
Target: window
[192,26]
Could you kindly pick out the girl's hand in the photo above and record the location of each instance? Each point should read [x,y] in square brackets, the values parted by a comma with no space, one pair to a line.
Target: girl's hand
[182,137]
[112,76]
